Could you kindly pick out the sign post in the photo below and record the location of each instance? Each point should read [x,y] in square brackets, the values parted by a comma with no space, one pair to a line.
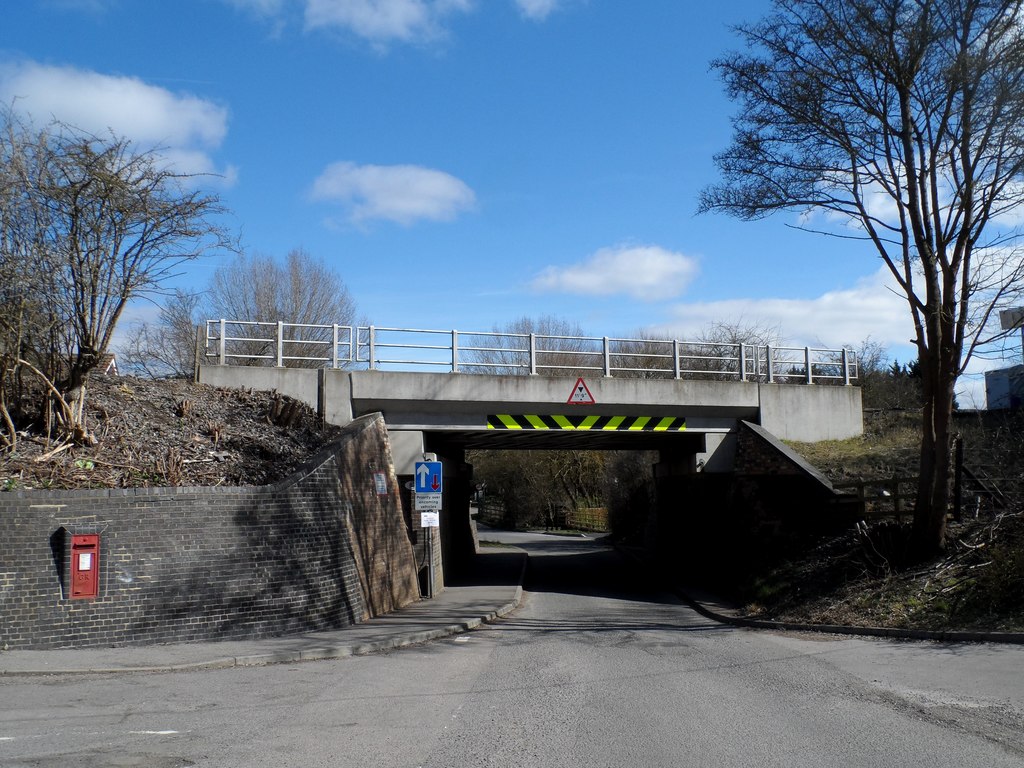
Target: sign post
[429,485]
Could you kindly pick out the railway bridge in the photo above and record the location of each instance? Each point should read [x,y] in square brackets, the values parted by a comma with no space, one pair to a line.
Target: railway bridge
[443,392]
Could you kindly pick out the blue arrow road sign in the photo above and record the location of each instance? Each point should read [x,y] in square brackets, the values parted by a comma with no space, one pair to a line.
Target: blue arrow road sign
[428,477]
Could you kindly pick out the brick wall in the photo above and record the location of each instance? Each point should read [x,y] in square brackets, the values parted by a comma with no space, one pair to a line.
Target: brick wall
[776,492]
[322,549]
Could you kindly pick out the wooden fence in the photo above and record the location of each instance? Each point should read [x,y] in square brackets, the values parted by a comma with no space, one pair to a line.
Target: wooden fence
[587,519]
[892,497]
[972,489]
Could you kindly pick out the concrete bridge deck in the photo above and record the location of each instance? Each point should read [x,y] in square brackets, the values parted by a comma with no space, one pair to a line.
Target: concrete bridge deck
[467,408]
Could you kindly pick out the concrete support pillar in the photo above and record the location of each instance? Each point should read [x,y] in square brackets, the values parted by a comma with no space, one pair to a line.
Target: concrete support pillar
[666,529]
[458,536]
[695,519]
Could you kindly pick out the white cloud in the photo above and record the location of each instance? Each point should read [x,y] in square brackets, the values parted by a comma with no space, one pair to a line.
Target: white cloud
[646,273]
[1011,211]
[384,20]
[186,127]
[399,193]
[537,10]
[846,316]
[871,308]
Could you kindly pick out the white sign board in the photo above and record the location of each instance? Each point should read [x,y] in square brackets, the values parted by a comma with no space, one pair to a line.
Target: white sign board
[428,502]
[430,520]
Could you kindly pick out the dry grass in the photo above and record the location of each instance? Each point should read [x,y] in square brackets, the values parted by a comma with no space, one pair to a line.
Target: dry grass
[855,577]
[169,432]
[889,446]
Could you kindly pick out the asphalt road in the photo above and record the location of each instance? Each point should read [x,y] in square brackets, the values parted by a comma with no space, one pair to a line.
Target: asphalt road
[594,669]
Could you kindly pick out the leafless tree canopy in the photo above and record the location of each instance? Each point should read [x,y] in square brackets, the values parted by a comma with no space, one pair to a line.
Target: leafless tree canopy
[168,346]
[905,118]
[301,290]
[711,354]
[258,287]
[86,223]
[255,288]
[560,349]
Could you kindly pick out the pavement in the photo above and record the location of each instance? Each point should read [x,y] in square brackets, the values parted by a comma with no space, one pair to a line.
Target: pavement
[493,589]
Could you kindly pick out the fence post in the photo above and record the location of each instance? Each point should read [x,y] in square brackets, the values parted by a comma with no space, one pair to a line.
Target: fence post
[676,367]
[846,368]
[455,351]
[807,365]
[197,352]
[371,341]
[334,346]
[896,505]
[280,344]
[769,363]
[533,354]
[958,477]
[607,359]
[223,348]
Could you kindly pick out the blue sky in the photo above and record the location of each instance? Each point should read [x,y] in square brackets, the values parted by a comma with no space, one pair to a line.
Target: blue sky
[460,163]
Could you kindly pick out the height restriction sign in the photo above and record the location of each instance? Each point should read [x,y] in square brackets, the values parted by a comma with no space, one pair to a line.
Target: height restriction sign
[580,394]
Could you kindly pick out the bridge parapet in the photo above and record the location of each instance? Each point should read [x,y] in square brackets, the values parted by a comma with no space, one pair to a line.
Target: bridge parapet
[303,345]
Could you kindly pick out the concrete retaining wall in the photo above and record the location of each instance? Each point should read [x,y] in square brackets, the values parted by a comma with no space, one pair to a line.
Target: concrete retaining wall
[323,549]
[810,413]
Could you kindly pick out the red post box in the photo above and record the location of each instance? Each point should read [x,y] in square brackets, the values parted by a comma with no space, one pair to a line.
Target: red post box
[85,565]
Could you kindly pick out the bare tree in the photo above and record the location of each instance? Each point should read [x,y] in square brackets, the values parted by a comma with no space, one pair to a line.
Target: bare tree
[718,347]
[19,304]
[713,353]
[887,385]
[539,487]
[903,119]
[645,355]
[303,290]
[93,223]
[167,347]
[560,348]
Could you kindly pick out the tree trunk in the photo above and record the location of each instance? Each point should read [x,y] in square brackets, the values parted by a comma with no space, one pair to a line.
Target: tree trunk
[928,537]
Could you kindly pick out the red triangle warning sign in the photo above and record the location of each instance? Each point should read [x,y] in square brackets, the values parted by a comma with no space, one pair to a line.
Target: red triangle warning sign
[581,394]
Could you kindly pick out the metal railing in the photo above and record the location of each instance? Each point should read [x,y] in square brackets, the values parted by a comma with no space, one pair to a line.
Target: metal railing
[403,349]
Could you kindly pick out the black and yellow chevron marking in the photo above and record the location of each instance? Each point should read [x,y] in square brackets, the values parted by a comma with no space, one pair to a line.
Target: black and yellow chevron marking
[596,423]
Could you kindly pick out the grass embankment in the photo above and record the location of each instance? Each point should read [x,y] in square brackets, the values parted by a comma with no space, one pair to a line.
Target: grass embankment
[858,577]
